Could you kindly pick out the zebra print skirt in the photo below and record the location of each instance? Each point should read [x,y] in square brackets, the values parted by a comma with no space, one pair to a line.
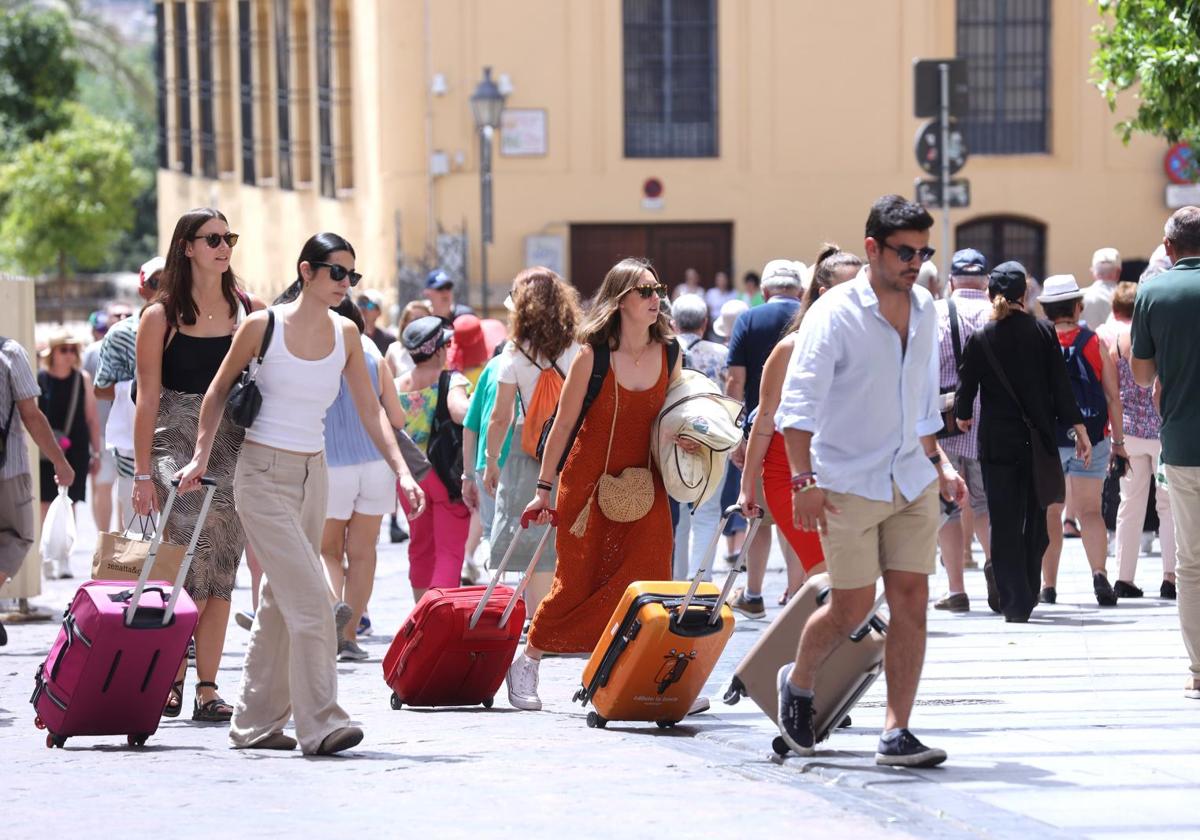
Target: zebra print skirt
[222,539]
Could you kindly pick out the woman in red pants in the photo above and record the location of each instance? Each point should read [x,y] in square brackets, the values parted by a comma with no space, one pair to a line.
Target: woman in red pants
[765,452]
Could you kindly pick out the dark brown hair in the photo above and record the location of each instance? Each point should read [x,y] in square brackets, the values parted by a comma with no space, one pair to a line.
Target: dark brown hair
[175,286]
[829,260]
[546,313]
[603,323]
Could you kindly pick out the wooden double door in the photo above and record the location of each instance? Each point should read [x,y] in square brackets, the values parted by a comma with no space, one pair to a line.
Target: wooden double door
[671,248]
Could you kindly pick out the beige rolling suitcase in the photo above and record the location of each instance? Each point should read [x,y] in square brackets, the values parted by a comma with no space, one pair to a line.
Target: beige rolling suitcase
[844,678]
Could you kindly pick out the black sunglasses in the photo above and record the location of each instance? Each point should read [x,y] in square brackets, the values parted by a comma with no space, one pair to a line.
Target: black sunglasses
[646,292]
[212,240]
[907,252]
[339,272]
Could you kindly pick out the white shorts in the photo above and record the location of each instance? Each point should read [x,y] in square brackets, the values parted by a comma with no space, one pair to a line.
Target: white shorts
[368,489]
[107,474]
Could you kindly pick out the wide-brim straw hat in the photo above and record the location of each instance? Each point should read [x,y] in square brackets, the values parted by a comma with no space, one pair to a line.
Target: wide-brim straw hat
[59,338]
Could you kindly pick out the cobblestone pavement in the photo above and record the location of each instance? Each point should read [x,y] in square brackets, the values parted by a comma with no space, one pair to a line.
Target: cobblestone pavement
[1073,725]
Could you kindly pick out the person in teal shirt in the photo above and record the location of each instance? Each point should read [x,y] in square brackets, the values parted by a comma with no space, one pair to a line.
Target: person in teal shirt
[479,414]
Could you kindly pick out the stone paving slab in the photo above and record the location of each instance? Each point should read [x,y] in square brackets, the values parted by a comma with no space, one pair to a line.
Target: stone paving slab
[1074,725]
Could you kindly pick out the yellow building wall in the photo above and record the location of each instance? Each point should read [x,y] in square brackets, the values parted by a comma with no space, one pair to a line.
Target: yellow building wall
[815,111]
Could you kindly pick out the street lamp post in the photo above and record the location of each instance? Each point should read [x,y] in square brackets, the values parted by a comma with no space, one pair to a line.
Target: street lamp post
[487,103]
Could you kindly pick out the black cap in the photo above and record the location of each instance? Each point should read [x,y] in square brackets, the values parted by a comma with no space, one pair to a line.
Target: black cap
[1008,279]
[968,262]
[425,335]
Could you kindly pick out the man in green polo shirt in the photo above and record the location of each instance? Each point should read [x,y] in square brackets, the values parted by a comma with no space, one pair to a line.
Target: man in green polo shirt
[1165,344]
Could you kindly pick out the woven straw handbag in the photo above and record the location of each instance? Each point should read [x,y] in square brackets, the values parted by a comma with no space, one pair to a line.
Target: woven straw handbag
[622,498]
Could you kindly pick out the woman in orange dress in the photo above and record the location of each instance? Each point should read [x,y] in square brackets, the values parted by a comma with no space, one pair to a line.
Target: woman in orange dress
[599,558]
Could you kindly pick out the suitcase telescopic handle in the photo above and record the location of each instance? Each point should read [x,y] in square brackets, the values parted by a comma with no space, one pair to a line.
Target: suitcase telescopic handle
[710,556]
[210,489]
[526,519]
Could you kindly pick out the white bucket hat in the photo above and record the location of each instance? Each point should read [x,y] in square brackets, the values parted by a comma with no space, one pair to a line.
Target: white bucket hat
[1059,287]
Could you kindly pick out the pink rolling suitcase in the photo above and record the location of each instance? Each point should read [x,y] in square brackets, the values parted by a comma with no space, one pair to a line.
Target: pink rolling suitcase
[111,668]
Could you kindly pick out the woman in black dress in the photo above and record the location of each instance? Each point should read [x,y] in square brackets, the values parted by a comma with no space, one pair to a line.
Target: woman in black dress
[1031,359]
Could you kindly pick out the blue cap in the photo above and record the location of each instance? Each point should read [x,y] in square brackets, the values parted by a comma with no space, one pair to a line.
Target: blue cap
[968,261]
[438,279]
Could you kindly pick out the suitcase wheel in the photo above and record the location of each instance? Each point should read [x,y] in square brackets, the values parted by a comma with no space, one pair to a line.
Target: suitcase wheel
[846,723]
[39,723]
[136,740]
[779,745]
[487,704]
[594,721]
[735,692]
[665,724]
[53,741]
[397,703]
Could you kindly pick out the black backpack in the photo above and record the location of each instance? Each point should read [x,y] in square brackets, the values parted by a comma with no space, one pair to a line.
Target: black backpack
[1088,391]
[444,447]
[600,364]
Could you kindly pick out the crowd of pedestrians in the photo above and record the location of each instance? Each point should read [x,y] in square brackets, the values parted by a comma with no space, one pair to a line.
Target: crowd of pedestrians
[888,422]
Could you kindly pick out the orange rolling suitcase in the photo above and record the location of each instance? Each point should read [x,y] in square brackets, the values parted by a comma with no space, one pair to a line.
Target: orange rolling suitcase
[663,641]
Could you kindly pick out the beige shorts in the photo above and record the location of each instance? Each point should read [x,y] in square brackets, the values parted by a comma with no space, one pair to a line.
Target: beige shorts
[866,538]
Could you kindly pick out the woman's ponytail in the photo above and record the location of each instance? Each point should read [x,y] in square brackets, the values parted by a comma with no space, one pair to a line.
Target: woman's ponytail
[290,293]
[1000,308]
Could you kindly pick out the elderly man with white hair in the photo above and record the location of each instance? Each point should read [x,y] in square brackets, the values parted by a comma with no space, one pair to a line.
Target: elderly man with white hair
[1097,298]
[755,334]
[698,525]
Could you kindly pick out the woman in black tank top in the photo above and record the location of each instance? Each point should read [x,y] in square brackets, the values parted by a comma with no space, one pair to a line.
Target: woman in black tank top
[70,406]
[182,339]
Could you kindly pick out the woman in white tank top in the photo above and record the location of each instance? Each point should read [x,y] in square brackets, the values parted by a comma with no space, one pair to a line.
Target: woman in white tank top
[280,489]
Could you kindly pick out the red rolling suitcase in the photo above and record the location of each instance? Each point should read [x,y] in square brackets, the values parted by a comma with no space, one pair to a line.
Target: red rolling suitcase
[119,649]
[457,644]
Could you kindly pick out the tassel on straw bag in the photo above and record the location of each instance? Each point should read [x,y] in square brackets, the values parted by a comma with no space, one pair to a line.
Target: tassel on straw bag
[622,498]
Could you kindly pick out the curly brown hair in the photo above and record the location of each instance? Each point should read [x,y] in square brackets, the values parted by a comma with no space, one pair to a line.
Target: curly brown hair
[546,313]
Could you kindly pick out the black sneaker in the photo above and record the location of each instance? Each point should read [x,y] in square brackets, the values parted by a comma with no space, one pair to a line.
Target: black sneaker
[993,594]
[1048,595]
[795,716]
[1105,596]
[191,654]
[396,533]
[1126,590]
[1167,590]
[906,751]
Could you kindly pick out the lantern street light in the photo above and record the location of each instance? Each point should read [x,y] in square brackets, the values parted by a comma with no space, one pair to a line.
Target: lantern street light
[487,103]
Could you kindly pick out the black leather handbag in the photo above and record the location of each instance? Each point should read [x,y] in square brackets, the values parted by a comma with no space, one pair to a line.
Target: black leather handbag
[245,399]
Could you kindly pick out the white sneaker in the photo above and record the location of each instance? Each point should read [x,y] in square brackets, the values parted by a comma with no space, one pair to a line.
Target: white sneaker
[522,681]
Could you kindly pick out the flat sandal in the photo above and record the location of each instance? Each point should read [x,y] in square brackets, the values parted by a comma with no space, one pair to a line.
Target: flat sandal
[215,710]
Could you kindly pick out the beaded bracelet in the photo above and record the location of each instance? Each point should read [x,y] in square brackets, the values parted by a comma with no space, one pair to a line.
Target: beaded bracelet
[803,478]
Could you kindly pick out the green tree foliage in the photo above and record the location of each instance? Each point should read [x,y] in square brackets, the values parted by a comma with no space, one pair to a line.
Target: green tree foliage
[69,196]
[37,76]
[1154,47]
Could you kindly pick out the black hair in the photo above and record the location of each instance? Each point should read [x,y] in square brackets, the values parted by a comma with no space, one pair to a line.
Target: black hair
[175,283]
[1060,309]
[891,213]
[347,309]
[318,248]
[752,277]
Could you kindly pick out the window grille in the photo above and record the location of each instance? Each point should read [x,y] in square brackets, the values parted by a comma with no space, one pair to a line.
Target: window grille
[1006,44]
[183,100]
[246,89]
[670,50]
[204,87]
[1003,238]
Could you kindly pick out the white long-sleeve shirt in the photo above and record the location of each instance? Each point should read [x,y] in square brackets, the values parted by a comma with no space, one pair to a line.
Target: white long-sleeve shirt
[867,400]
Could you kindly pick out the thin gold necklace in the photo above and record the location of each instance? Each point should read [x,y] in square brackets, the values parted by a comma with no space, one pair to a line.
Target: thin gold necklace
[638,359]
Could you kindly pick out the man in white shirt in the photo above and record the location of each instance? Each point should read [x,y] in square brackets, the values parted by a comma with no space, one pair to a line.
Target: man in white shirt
[867,469]
[1097,299]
